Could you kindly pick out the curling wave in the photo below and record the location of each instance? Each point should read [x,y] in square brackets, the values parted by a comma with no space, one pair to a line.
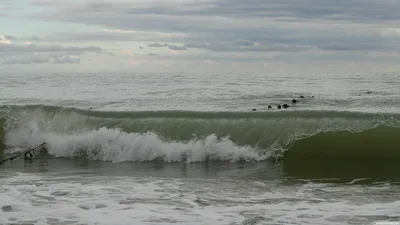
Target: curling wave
[175,136]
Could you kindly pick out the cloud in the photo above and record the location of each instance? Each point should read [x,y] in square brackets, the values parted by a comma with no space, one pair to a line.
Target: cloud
[4,40]
[120,31]
[247,46]
[151,14]
[391,33]
[107,35]
[29,53]
[243,43]
[232,25]
[156,45]
[176,47]
[40,58]
[255,30]
[17,48]
[126,52]
[172,47]
[196,45]
[354,47]
[10,37]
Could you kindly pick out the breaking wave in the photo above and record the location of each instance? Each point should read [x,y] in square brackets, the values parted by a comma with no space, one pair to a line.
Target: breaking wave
[184,136]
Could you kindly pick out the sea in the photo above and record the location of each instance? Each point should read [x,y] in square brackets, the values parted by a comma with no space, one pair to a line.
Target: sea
[200,148]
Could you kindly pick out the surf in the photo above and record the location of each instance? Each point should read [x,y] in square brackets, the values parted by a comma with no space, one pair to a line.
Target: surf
[185,136]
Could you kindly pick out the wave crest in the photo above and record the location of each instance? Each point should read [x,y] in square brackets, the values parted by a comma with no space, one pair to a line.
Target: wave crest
[118,146]
[195,136]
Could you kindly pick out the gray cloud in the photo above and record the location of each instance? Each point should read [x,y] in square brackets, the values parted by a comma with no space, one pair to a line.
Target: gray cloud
[355,10]
[48,3]
[339,56]
[6,4]
[248,46]
[109,36]
[172,47]
[243,43]
[39,59]
[257,26]
[176,47]
[156,45]
[15,48]
[196,45]
[10,37]
[29,54]
[222,56]
[354,47]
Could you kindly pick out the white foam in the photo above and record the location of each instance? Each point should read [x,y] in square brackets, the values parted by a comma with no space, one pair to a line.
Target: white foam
[47,199]
[117,146]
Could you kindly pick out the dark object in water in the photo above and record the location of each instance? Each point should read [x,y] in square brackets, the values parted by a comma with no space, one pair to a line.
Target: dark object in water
[269,107]
[28,154]
[253,110]
[301,96]
[294,101]
[285,106]
[279,106]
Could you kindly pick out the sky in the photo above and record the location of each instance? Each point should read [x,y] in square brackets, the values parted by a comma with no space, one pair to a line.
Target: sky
[200,35]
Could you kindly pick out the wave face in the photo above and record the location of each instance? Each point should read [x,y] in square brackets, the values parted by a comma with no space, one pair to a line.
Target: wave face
[175,136]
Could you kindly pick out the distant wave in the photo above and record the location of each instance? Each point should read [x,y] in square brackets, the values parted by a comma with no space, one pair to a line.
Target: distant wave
[186,136]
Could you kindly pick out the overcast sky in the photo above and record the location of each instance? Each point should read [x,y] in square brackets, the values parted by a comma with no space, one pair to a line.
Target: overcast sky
[200,35]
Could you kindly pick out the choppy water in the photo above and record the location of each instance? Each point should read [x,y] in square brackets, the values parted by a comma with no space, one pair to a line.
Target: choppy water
[215,92]
[186,148]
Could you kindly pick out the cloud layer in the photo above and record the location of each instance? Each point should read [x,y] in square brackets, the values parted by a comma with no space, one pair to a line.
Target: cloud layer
[235,30]
[29,53]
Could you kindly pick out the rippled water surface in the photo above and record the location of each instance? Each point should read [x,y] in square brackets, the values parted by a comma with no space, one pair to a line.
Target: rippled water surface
[331,158]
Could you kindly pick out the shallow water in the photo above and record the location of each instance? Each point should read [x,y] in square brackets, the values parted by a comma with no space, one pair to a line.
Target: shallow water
[64,191]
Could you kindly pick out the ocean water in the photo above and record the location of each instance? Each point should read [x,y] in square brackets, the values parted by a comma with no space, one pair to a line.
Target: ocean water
[136,148]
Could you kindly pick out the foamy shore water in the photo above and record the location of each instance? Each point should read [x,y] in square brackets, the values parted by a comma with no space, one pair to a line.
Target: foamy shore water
[77,197]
